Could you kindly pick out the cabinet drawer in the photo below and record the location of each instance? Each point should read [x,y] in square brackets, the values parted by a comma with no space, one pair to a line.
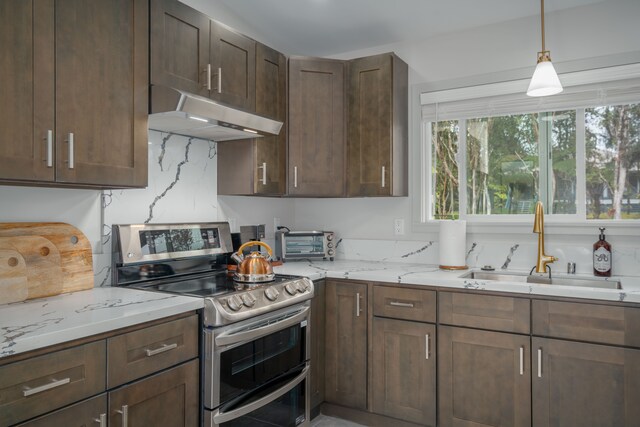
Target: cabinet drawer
[485,312]
[402,303]
[587,322]
[34,386]
[81,414]
[139,353]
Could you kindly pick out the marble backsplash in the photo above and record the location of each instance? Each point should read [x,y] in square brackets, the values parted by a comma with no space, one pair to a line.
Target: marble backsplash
[516,255]
[182,188]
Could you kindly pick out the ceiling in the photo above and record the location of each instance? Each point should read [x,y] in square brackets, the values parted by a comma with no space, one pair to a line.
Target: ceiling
[331,27]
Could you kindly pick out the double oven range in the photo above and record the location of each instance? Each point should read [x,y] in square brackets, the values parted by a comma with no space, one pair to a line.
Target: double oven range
[255,337]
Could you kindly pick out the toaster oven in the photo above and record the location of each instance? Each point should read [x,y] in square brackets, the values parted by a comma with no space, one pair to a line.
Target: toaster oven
[291,245]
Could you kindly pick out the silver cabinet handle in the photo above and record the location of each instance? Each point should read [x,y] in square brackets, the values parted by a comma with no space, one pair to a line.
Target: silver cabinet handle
[219,79]
[49,139]
[426,346]
[53,384]
[521,360]
[162,349]
[207,84]
[383,170]
[70,142]
[401,304]
[539,363]
[101,420]
[264,173]
[295,177]
[125,415]
[358,304]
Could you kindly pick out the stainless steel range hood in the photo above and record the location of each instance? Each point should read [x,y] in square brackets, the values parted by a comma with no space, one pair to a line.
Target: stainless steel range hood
[183,113]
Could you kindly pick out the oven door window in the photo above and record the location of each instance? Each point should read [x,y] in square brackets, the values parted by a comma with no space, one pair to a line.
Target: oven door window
[287,410]
[248,366]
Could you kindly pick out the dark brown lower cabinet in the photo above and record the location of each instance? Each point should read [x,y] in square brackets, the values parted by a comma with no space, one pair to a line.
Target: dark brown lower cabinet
[403,372]
[484,378]
[168,399]
[346,344]
[86,413]
[317,343]
[579,384]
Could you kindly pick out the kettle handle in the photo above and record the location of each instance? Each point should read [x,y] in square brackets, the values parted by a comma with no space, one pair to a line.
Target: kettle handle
[263,244]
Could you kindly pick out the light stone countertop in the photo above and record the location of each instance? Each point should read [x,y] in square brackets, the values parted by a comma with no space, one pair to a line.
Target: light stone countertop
[421,274]
[42,322]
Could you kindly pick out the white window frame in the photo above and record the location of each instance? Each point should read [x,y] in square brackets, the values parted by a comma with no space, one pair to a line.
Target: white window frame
[507,224]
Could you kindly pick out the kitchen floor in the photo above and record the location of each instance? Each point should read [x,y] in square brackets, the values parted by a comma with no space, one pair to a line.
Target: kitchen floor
[325,421]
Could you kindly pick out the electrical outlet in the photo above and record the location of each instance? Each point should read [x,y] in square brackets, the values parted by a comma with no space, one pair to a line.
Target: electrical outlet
[398,226]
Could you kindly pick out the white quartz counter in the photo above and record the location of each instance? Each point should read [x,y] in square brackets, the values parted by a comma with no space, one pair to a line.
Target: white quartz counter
[421,274]
[42,322]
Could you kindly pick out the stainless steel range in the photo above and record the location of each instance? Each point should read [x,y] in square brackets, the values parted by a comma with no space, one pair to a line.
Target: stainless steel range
[255,336]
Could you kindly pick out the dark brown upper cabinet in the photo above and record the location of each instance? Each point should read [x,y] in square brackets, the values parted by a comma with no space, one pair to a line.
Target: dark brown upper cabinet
[378,126]
[316,157]
[79,91]
[258,166]
[191,52]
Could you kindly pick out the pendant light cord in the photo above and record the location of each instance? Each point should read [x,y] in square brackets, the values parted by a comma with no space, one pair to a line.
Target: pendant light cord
[542,22]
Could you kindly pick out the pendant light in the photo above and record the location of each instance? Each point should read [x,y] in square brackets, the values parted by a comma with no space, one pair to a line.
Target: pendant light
[545,80]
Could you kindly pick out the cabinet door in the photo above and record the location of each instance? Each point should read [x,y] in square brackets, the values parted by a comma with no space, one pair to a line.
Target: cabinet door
[403,375]
[87,413]
[317,343]
[169,399]
[483,378]
[578,384]
[346,344]
[233,62]
[271,101]
[101,92]
[27,88]
[179,46]
[316,127]
[378,126]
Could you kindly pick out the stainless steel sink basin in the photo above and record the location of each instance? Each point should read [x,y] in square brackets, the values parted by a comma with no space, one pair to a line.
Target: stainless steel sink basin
[524,278]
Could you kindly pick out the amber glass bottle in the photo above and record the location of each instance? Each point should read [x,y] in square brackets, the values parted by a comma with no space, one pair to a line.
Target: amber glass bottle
[602,256]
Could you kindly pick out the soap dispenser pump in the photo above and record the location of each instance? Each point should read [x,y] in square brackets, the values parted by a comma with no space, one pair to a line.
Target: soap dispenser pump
[602,256]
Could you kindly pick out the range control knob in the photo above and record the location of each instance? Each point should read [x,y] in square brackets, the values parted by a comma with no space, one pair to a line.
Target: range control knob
[290,288]
[301,287]
[271,293]
[329,237]
[330,252]
[234,302]
[330,244]
[248,300]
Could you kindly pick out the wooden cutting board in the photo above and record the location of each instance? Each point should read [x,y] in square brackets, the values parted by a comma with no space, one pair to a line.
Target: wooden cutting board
[43,259]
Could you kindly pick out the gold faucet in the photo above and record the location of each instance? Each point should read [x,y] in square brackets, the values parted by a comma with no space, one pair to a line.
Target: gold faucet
[538,227]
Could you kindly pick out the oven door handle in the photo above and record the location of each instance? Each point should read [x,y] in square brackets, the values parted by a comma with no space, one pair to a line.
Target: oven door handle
[223,417]
[232,337]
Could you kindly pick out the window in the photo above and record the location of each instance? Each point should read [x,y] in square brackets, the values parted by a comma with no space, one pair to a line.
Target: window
[496,156]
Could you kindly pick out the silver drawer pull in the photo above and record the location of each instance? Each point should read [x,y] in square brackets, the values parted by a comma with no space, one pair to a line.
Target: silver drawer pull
[295,177]
[162,349]
[383,171]
[207,84]
[102,420]
[358,304]
[426,349]
[49,148]
[539,363]
[219,79]
[53,384]
[125,415]
[70,141]
[401,304]
[264,173]
[521,360]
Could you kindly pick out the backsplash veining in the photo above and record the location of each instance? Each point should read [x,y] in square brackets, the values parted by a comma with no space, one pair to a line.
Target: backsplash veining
[182,188]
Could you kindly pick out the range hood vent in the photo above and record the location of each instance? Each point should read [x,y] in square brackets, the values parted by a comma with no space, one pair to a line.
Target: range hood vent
[184,113]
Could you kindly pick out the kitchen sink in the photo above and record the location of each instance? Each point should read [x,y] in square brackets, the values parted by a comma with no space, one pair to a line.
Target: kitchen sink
[524,278]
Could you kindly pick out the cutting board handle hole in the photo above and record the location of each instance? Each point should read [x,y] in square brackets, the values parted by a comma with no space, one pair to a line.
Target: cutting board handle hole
[74,239]
[12,261]
[44,251]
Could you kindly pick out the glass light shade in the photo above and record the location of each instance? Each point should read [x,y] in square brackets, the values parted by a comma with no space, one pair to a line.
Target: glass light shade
[545,80]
